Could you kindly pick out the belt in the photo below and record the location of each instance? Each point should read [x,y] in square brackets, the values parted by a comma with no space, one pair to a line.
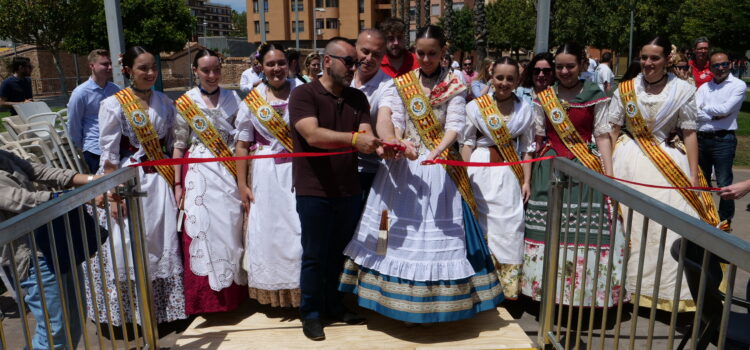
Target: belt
[717,133]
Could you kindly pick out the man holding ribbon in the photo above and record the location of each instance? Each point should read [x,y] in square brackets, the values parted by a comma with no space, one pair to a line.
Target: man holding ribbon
[328,116]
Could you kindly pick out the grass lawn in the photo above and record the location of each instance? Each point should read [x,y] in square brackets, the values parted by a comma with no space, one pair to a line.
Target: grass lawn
[742,156]
[5,114]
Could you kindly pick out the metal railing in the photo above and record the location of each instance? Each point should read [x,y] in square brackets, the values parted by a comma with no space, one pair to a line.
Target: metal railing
[74,249]
[698,250]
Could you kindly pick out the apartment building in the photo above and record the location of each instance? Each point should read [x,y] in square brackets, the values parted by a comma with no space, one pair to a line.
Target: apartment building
[211,19]
[331,17]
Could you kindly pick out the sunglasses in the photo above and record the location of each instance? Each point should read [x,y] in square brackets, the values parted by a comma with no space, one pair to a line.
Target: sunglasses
[720,65]
[686,67]
[546,71]
[348,61]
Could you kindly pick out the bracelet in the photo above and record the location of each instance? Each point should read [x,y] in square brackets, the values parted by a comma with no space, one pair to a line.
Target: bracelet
[354,138]
[89,179]
[178,183]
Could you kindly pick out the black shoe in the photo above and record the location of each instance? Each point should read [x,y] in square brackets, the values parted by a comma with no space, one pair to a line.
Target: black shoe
[349,317]
[313,329]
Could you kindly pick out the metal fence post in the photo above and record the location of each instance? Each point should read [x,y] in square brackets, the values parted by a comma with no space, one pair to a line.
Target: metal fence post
[551,252]
[140,263]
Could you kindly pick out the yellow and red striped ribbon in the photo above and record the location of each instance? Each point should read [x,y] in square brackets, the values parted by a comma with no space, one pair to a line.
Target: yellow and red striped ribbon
[499,133]
[270,119]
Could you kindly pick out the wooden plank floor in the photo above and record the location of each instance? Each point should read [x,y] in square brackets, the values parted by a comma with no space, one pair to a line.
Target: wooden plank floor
[254,326]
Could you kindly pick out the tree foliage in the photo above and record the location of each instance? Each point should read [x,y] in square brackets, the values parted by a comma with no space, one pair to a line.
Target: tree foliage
[158,25]
[239,24]
[511,24]
[460,30]
[725,24]
[44,23]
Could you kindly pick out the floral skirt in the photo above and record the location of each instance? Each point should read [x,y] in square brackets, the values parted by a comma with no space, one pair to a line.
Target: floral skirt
[584,255]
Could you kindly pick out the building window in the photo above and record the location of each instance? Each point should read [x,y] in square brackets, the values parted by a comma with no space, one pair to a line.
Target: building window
[318,23]
[332,3]
[332,23]
[361,25]
[300,5]
[361,6]
[257,27]
[457,7]
[300,27]
[435,10]
[255,6]
[412,14]
[319,3]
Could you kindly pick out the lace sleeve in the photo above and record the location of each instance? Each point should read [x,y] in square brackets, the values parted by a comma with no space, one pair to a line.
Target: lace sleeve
[538,112]
[602,123]
[392,100]
[455,117]
[615,111]
[110,130]
[688,115]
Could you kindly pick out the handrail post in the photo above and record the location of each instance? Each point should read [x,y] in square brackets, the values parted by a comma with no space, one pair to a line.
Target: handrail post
[551,252]
[131,192]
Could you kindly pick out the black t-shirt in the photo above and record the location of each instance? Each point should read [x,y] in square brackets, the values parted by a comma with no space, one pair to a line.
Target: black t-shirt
[334,176]
[15,89]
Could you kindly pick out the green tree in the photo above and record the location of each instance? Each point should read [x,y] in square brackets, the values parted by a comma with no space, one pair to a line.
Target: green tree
[460,30]
[158,25]
[239,24]
[725,24]
[511,25]
[44,23]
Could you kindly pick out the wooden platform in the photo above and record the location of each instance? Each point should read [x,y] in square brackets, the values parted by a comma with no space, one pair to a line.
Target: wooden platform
[254,326]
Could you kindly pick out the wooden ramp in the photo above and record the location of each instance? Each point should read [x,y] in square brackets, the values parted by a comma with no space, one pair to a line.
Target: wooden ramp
[255,326]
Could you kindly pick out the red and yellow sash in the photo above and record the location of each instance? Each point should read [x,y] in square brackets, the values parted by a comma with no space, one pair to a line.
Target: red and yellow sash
[271,120]
[205,130]
[701,201]
[431,131]
[567,132]
[499,133]
[148,138]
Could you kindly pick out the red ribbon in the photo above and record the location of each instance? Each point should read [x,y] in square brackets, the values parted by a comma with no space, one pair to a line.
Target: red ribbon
[489,164]
[183,161]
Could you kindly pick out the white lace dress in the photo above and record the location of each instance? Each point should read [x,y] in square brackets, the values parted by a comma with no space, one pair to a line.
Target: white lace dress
[273,245]
[674,108]
[159,221]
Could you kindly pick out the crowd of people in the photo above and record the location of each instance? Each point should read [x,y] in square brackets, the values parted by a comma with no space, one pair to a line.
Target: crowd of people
[417,243]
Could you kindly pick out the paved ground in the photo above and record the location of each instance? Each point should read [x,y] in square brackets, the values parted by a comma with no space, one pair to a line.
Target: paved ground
[524,310]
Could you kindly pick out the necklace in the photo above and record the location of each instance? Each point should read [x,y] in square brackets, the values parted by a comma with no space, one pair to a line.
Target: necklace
[648,83]
[144,91]
[570,87]
[204,92]
[432,75]
[276,89]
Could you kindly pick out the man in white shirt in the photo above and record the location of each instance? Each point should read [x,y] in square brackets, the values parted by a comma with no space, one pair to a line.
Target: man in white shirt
[372,81]
[719,102]
[603,75]
[253,76]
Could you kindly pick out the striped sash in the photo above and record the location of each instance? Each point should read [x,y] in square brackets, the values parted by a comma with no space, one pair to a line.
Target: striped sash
[271,120]
[499,133]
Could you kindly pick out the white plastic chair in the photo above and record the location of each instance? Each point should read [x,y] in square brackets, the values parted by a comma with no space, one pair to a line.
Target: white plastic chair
[47,134]
[30,108]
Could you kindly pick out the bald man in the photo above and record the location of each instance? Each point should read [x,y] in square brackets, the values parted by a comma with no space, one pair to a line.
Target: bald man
[372,81]
[328,115]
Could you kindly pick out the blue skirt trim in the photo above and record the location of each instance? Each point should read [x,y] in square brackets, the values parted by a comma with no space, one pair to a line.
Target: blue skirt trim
[430,301]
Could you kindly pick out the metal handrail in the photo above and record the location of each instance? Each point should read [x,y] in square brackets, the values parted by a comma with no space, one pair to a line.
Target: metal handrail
[716,241]
[40,215]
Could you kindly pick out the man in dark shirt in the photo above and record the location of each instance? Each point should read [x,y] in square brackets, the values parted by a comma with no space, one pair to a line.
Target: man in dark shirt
[17,88]
[328,116]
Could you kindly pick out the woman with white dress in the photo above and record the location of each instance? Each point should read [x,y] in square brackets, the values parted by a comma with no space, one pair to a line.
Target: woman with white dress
[418,254]
[133,114]
[501,191]
[658,106]
[212,227]
[273,247]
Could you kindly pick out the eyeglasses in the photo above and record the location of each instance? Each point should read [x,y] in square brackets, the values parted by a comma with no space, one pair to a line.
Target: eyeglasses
[546,71]
[348,61]
[467,64]
[685,67]
[720,65]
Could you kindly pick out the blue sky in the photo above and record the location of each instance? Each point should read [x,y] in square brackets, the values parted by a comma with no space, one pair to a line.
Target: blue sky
[237,5]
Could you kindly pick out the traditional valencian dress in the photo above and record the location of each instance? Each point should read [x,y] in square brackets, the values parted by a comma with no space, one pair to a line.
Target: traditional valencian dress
[431,263]
[122,124]
[212,228]
[656,118]
[579,257]
[273,246]
[499,138]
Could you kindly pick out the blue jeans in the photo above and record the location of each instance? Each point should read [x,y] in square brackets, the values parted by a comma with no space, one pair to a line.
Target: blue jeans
[716,152]
[92,161]
[327,227]
[54,302]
